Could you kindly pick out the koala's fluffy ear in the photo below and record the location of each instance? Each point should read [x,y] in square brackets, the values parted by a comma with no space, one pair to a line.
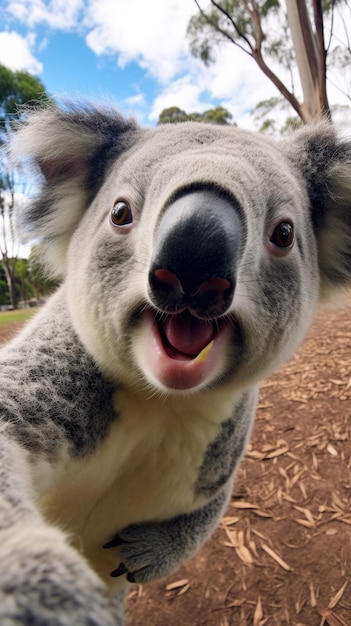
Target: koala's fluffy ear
[72,149]
[324,158]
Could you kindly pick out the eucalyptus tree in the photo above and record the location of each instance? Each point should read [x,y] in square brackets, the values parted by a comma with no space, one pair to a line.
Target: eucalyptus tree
[278,35]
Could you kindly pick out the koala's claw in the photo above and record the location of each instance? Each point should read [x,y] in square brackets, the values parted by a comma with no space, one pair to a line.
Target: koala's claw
[119,571]
[116,541]
[151,550]
[122,569]
[147,551]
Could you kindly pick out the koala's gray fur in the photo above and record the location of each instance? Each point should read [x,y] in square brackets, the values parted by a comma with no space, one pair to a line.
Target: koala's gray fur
[123,415]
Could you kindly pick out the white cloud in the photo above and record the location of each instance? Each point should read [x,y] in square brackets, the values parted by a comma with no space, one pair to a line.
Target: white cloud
[151,33]
[138,100]
[61,14]
[184,93]
[234,80]
[16,52]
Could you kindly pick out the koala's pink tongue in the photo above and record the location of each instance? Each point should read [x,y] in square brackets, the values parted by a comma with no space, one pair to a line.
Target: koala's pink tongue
[187,334]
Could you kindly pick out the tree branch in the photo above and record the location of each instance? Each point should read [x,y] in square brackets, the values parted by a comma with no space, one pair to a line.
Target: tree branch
[293,101]
[344,93]
[258,57]
[331,26]
[256,18]
[219,29]
[235,26]
[346,31]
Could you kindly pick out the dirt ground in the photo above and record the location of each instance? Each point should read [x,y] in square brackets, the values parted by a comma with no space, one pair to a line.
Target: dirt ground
[282,554]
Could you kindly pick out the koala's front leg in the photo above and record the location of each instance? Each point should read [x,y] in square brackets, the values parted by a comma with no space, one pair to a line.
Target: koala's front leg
[154,550]
[43,581]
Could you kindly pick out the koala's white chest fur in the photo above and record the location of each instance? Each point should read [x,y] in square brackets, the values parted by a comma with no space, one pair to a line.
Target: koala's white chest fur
[144,470]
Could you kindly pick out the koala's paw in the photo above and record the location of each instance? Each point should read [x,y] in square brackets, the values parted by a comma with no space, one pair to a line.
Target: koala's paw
[148,552]
[44,581]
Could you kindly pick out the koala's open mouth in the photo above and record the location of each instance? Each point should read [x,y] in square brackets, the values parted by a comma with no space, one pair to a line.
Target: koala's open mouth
[184,336]
[182,350]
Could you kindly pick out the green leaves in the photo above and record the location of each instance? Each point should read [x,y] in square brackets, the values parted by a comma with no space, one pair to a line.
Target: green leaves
[171,115]
[269,6]
[218,115]
[227,20]
[16,89]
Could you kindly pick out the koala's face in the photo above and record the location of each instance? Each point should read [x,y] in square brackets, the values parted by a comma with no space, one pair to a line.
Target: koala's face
[196,263]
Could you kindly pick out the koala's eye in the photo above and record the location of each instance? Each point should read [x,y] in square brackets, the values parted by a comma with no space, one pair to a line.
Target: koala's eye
[121,214]
[283,235]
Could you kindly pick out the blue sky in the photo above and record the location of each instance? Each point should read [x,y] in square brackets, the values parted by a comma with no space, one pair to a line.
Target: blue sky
[135,53]
[110,48]
[132,51]
[70,66]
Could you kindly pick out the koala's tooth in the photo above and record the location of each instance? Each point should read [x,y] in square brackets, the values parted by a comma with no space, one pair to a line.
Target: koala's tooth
[202,356]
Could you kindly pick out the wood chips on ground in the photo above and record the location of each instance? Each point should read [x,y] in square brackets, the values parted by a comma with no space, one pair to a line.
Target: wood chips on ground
[282,554]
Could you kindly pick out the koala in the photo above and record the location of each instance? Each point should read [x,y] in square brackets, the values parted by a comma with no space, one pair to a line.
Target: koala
[192,258]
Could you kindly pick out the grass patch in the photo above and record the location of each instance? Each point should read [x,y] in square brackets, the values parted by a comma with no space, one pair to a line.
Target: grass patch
[9,317]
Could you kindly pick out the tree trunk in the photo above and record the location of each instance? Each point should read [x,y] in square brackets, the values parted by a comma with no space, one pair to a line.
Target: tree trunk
[10,274]
[322,57]
[37,294]
[310,59]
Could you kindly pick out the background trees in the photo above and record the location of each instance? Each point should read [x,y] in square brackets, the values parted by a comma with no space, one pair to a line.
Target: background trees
[287,41]
[218,115]
[16,89]
[29,282]
[291,41]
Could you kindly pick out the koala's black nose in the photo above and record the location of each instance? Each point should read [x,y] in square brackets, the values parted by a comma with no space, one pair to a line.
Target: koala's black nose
[196,253]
